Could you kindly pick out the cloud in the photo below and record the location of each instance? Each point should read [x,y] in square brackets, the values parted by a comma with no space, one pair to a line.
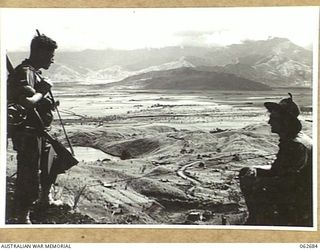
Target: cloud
[196,33]
[147,28]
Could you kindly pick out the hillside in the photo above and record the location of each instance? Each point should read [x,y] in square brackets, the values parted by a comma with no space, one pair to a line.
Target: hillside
[270,71]
[190,79]
[118,73]
[275,62]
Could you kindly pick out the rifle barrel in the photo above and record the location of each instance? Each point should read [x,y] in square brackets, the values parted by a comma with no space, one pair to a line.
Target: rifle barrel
[62,125]
[9,65]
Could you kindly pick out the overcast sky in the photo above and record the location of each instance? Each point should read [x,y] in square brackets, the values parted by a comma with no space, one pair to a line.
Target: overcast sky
[77,29]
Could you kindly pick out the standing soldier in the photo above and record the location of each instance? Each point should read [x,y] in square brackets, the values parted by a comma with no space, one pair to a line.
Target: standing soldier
[27,93]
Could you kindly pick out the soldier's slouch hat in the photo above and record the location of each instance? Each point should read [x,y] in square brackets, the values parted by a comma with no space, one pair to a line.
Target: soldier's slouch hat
[289,112]
[286,106]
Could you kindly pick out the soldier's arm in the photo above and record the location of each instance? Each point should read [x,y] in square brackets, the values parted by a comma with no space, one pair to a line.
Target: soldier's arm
[29,97]
[290,160]
[30,102]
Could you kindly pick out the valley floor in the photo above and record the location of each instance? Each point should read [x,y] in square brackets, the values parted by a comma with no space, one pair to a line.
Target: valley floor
[169,159]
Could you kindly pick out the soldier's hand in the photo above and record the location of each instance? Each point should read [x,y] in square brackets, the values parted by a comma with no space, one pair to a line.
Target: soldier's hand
[44,86]
[252,172]
[248,172]
[55,105]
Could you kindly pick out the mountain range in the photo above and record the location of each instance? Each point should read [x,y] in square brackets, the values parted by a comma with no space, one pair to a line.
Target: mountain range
[273,62]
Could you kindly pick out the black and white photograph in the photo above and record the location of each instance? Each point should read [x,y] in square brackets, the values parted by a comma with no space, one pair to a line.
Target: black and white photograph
[159,117]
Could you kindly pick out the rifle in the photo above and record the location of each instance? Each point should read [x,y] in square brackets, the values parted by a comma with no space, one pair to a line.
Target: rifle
[9,65]
[64,160]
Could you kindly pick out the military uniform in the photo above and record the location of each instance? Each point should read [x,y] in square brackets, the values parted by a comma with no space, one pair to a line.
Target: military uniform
[32,149]
[282,195]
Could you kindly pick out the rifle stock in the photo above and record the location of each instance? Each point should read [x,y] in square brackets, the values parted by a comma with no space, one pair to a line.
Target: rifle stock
[64,160]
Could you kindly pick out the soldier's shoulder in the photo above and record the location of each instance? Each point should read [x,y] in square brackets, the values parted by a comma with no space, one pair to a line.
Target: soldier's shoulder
[303,140]
[22,71]
[24,68]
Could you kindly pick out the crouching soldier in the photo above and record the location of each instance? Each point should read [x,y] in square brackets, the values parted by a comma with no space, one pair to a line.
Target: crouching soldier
[28,92]
[282,195]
